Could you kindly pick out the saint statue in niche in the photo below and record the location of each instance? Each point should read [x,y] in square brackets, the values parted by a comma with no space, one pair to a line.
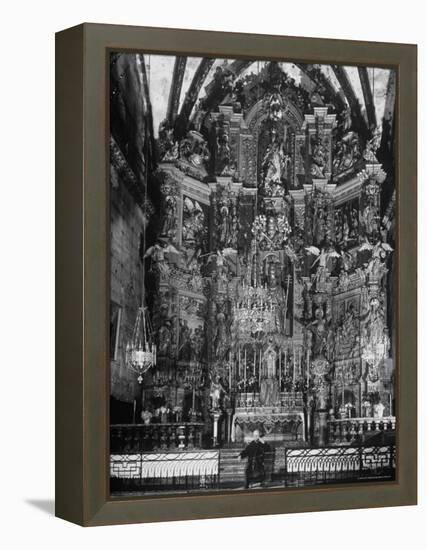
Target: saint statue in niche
[270,356]
[274,163]
[269,389]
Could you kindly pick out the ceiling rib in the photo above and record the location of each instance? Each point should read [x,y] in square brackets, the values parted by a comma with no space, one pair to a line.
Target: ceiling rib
[192,95]
[359,121]
[367,96]
[175,89]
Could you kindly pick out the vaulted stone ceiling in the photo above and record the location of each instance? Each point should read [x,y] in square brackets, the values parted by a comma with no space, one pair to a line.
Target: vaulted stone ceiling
[346,82]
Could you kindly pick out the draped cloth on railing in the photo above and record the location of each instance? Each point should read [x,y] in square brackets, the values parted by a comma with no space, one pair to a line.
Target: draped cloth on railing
[165,465]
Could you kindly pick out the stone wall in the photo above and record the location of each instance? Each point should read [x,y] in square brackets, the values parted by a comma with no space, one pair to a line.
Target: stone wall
[126,281]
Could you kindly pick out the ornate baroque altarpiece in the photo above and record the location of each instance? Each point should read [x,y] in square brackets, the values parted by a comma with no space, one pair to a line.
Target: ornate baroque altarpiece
[244,273]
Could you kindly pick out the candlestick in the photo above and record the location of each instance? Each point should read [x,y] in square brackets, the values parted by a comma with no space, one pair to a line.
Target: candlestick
[244,372]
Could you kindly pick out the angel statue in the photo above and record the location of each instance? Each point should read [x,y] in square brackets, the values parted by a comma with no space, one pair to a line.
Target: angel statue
[323,256]
[376,268]
[370,152]
[157,255]
[379,250]
[222,257]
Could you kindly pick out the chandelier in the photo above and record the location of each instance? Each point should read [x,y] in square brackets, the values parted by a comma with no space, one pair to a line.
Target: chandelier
[141,349]
[255,311]
[375,350]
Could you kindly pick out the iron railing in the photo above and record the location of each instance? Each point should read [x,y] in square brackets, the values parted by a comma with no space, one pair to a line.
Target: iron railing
[337,464]
[179,471]
[285,467]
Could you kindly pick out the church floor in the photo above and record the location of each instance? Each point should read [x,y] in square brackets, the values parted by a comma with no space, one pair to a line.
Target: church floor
[270,485]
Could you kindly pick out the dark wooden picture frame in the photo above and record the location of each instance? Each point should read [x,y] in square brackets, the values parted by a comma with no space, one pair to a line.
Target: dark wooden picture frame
[82,280]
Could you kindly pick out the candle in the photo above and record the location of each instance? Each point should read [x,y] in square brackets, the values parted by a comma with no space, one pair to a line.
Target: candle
[260,367]
[280,369]
[342,390]
[286,362]
[308,367]
[244,372]
[254,362]
[229,370]
[293,364]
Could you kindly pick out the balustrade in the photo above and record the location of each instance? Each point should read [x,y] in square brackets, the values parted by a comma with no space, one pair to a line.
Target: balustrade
[347,430]
[173,436]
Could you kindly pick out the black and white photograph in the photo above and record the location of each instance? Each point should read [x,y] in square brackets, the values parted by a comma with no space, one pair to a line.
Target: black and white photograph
[252,274]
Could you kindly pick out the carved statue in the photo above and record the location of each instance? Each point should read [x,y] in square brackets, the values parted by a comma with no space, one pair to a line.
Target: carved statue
[165,339]
[232,241]
[168,148]
[216,392]
[197,344]
[269,358]
[319,330]
[275,107]
[372,145]
[223,153]
[195,280]
[319,224]
[347,152]
[194,149]
[169,222]
[224,227]
[220,337]
[319,158]
[370,219]
[323,256]
[347,332]
[373,323]
[157,255]
[273,163]
[193,228]
[269,392]
[184,340]
[354,218]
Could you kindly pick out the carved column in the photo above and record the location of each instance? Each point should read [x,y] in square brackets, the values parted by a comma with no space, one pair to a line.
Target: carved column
[320,373]
[216,415]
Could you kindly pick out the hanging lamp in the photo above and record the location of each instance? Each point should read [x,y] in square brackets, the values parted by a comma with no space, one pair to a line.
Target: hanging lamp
[141,350]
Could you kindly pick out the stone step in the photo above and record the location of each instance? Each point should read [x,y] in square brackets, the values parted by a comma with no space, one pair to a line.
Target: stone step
[231,469]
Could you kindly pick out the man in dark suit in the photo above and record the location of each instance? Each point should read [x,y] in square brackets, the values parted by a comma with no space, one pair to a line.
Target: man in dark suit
[255,453]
